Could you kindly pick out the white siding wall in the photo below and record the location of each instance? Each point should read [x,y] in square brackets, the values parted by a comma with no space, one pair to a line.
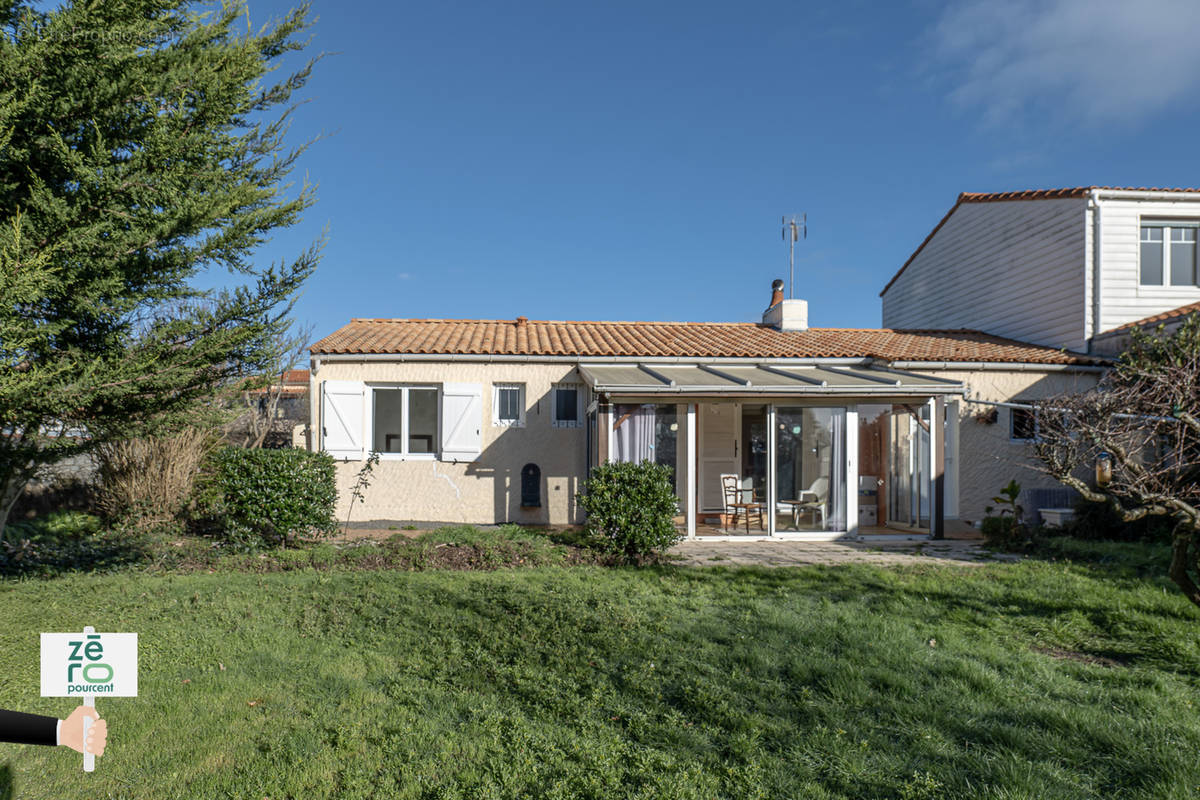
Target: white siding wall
[1122,299]
[1013,268]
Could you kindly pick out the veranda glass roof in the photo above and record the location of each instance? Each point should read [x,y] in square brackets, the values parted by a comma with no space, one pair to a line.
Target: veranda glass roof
[722,378]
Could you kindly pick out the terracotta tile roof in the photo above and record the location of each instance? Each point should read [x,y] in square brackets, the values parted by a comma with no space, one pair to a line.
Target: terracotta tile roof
[293,383]
[1077,192]
[681,339]
[284,391]
[1166,316]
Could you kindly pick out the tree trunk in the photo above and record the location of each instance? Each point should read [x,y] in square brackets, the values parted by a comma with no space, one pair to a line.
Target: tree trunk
[1181,558]
[10,491]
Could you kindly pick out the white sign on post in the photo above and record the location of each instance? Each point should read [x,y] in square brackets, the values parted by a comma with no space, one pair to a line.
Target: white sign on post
[87,664]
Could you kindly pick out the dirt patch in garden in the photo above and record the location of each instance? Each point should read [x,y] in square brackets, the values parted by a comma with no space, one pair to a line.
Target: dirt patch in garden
[398,553]
[1082,658]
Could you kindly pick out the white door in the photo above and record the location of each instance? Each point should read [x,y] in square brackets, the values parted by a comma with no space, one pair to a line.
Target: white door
[719,450]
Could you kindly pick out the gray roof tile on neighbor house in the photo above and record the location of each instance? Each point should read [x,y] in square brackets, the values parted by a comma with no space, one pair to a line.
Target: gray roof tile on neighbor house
[679,339]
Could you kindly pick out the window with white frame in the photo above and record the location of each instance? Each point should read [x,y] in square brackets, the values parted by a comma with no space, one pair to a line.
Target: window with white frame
[1167,254]
[1023,425]
[508,405]
[404,421]
[568,405]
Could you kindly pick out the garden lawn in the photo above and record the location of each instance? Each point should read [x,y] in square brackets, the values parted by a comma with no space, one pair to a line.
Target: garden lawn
[1033,680]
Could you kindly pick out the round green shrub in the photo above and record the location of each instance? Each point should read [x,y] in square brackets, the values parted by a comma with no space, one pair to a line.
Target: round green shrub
[1002,532]
[272,497]
[630,509]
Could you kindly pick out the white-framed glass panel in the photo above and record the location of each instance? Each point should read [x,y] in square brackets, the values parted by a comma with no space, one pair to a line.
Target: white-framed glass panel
[647,432]
[1167,254]
[1022,424]
[508,405]
[388,420]
[404,421]
[908,495]
[422,421]
[1151,254]
[1183,256]
[666,441]
[810,469]
[874,475]
[567,400]
[753,442]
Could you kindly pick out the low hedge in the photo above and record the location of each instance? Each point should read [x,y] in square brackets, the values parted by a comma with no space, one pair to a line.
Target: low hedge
[630,509]
[273,497]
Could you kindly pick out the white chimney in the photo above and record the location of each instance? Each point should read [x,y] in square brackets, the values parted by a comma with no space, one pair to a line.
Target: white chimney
[786,315]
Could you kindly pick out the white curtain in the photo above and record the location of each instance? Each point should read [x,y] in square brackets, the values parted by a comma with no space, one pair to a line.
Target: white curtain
[634,436]
[837,479]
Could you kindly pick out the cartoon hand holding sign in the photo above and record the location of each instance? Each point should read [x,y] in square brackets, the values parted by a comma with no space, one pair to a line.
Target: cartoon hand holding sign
[85,665]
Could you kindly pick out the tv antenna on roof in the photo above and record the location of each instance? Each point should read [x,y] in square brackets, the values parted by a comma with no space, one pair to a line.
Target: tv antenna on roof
[794,230]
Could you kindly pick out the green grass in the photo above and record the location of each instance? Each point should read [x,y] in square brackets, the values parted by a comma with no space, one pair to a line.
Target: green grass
[1030,680]
[1117,558]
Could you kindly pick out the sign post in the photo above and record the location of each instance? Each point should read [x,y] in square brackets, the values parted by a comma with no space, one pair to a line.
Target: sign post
[89,759]
[89,664]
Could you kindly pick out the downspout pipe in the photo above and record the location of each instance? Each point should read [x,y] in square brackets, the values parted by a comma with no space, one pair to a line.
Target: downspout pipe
[1096,261]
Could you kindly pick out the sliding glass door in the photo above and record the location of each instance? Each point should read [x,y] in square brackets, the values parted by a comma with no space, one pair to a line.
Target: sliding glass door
[810,469]
[908,496]
[648,432]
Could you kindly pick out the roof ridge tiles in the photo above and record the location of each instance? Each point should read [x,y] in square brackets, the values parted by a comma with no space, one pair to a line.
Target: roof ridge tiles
[650,323]
[554,321]
[692,340]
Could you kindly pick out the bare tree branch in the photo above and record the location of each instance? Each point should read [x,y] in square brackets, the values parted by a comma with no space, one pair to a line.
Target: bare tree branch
[1144,417]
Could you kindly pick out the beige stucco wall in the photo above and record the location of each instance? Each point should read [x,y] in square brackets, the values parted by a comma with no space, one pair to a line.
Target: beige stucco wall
[488,489]
[987,458]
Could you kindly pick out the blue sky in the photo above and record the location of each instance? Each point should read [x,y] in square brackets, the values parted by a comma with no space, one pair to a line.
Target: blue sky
[632,160]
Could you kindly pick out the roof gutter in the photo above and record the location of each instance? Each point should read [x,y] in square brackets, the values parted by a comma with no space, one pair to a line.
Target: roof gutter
[999,366]
[1135,194]
[821,391]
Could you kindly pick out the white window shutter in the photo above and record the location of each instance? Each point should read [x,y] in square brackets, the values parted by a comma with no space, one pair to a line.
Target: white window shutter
[342,412]
[462,421]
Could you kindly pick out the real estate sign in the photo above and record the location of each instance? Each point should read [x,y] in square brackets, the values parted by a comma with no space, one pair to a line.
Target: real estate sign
[80,664]
[88,664]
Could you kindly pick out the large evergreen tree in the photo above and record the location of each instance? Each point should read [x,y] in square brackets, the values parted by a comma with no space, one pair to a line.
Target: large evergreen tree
[141,145]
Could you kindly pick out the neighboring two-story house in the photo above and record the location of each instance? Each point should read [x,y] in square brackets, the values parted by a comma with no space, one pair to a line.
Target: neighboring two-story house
[1067,268]
[1056,267]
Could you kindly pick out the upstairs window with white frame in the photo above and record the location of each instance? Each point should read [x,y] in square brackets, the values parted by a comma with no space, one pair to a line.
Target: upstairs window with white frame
[568,405]
[508,405]
[1167,254]
[404,421]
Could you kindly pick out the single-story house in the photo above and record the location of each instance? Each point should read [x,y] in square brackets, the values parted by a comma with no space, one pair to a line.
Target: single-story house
[832,431]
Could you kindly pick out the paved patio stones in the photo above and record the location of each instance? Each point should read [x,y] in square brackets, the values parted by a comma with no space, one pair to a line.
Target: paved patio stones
[699,553]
